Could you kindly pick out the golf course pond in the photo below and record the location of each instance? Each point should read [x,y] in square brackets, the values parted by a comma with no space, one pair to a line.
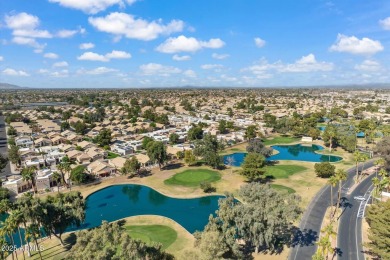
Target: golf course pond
[296,152]
[121,201]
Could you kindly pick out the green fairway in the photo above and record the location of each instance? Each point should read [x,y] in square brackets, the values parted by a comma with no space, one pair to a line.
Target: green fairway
[282,188]
[281,140]
[282,171]
[153,234]
[193,178]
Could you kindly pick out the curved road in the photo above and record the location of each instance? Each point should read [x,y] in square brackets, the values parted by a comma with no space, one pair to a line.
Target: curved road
[304,246]
[349,237]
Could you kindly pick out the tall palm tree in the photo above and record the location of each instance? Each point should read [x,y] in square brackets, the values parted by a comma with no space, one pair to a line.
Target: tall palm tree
[57,178]
[332,182]
[64,167]
[29,174]
[364,158]
[332,134]
[9,229]
[16,219]
[357,156]
[376,184]
[341,175]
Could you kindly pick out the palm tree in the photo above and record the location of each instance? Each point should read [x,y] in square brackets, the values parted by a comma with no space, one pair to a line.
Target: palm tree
[28,174]
[57,178]
[16,218]
[341,175]
[364,158]
[9,229]
[357,156]
[328,234]
[376,183]
[332,134]
[332,182]
[64,167]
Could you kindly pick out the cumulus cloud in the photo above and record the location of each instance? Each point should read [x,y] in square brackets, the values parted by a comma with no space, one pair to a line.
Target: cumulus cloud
[67,33]
[60,74]
[158,69]
[61,64]
[353,45]
[259,42]
[189,73]
[190,44]
[220,56]
[126,25]
[86,46]
[181,58]
[92,56]
[305,64]
[211,66]
[91,6]
[1,58]
[97,71]
[25,25]
[385,23]
[369,65]
[12,72]
[50,55]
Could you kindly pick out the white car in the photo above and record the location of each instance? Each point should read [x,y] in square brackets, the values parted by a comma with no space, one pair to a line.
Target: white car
[360,198]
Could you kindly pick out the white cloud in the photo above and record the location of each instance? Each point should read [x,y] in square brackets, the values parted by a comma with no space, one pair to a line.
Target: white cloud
[118,55]
[92,56]
[50,55]
[12,72]
[259,42]
[211,66]
[353,45]
[184,44]
[122,24]
[91,6]
[181,58]
[97,71]
[25,25]
[61,64]
[220,56]
[60,74]
[158,69]
[303,65]
[86,46]
[189,73]
[369,65]
[385,23]
[28,41]
[66,33]
[21,21]
[43,71]
[1,58]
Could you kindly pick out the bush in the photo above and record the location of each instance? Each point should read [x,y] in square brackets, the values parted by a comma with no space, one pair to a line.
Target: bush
[324,169]
[207,187]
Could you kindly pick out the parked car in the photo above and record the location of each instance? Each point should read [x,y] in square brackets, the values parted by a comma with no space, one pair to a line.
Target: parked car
[360,198]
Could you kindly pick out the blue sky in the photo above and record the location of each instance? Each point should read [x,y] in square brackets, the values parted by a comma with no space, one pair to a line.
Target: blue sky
[154,43]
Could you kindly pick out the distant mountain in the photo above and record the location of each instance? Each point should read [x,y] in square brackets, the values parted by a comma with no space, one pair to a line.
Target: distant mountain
[10,86]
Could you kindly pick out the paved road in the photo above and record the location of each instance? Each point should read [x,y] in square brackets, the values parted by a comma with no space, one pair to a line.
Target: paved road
[304,245]
[4,147]
[349,238]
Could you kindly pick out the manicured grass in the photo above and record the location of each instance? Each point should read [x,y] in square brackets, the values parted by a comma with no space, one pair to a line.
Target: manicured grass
[282,171]
[281,140]
[153,234]
[193,177]
[282,188]
[112,155]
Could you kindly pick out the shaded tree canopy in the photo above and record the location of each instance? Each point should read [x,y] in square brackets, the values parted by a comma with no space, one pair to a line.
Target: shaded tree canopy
[250,223]
[257,146]
[383,149]
[110,241]
[379,231]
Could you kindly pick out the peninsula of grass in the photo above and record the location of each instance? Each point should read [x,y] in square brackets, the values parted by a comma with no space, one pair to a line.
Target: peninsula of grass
[153,234]
[282,188]
[281,140]
[282,171]
[193,177]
